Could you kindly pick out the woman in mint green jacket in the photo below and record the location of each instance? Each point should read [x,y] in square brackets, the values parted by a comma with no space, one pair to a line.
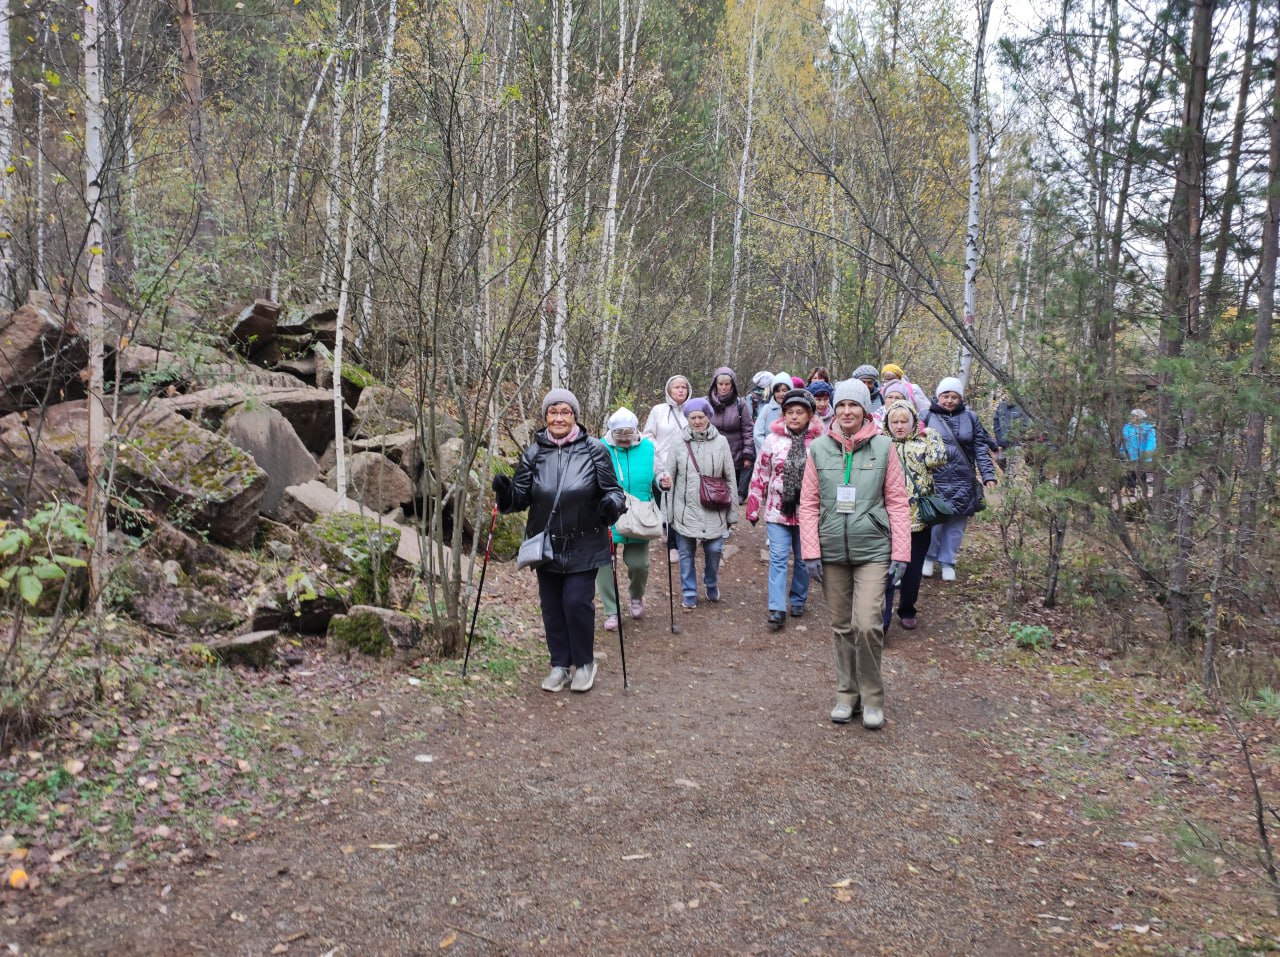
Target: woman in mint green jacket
[633,460]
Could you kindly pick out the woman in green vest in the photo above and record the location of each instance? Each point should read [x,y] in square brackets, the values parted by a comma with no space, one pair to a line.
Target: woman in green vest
[855,528]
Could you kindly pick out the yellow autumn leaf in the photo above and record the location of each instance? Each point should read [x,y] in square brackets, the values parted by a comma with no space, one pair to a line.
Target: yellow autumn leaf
[451,938]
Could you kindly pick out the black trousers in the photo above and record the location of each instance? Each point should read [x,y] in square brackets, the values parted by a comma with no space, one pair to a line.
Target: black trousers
[569,615]
[910,587]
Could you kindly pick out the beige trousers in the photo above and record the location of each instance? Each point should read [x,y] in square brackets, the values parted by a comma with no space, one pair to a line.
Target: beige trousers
[855,595]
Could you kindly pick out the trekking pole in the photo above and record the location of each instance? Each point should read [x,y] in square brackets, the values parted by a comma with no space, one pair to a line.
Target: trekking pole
[671,595]
[493,522]
[622,648]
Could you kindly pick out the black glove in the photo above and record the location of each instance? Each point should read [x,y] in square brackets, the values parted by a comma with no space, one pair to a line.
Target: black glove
[502,489]
[609,512]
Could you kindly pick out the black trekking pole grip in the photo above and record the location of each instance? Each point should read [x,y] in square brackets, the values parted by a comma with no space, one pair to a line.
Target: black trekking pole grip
[622,647]
[484,569]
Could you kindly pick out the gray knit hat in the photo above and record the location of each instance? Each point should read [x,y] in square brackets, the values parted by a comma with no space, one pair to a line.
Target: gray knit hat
[556,396]
[867,372]
[854,390]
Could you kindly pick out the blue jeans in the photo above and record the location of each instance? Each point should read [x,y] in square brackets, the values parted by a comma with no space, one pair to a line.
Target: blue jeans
[947,537]
[712,548]
[784,543]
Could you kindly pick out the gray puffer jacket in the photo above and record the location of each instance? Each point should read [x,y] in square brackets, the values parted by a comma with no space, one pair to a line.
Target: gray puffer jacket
[688,515]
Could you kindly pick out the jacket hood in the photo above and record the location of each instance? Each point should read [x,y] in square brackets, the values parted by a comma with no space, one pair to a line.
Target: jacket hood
[711,390]
[666,392]
[915,418]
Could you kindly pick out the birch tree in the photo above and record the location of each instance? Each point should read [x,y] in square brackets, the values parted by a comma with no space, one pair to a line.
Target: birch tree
[8,266]
[92,252]
[975,191]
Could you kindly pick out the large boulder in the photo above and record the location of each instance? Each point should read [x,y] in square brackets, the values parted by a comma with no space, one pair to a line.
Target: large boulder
[42,351]
[309,411]
[253,327]
[257,649]
[191,475]
[31,475]
[318,320]
[401,447]
[267,436]
[376,482]
[383,409]
[161,596]
[305,503]
[346,560]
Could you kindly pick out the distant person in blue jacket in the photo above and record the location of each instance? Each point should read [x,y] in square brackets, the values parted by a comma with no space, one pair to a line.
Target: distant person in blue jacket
[1139,448]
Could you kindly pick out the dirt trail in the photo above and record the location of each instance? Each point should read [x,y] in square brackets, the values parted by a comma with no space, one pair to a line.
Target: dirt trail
[712,808]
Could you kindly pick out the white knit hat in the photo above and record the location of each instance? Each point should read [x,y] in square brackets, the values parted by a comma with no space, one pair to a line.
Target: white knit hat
[949,384]
[624,418]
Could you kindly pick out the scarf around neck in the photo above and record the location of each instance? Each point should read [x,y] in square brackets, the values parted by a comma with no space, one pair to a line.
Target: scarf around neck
[793,472]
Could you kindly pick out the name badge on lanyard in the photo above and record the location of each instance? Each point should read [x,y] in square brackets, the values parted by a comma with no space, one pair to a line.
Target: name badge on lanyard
[847,494]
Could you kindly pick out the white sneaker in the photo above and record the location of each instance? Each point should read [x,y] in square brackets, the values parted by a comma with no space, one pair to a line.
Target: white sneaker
[611,623]
[873,718]
[637,608]
[926,570]
[842,713]
[556,680]
[948,573]
[673,556]
[584,677]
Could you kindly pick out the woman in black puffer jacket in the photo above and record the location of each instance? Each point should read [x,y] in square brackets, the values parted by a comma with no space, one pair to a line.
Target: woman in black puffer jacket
[564,457]
[967,444]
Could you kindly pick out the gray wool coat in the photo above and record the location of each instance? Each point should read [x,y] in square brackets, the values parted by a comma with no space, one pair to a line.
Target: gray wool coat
[686,513]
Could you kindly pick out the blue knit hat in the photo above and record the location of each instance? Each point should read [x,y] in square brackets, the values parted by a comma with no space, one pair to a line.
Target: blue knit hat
[819,388]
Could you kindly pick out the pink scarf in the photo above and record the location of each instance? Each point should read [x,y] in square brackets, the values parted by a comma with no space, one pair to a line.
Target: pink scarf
[573,434]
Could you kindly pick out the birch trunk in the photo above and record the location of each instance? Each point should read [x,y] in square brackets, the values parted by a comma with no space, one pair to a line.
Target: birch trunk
[191,86]
[607,321]
[736,266]
[291,184]
[93,176]
[330,265]
[379,166]
[563,25]
[975,193]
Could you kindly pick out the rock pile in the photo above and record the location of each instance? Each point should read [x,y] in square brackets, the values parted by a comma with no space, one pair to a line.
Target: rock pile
[226,447]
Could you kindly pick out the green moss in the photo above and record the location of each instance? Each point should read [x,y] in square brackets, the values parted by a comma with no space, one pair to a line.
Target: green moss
[357,376]
[358,547]
[362,633]
[208,618]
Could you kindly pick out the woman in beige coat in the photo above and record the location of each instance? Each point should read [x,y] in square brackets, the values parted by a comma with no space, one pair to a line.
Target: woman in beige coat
[702,451]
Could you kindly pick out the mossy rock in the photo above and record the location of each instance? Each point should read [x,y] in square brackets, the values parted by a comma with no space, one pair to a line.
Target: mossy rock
[355,549]
[362,633]
[507,536]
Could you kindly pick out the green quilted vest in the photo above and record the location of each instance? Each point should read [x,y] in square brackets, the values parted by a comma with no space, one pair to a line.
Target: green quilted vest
[860,536]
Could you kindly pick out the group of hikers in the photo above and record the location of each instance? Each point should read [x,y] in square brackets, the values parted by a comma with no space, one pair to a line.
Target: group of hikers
[865,486]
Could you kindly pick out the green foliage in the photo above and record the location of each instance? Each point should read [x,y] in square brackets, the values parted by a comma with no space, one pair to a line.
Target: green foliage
[1266,703]
[1031,637]
[34,554]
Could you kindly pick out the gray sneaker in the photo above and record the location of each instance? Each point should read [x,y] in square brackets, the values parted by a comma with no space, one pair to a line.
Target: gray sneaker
[584,677]
[842,713]
[873,719]
[556,680]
